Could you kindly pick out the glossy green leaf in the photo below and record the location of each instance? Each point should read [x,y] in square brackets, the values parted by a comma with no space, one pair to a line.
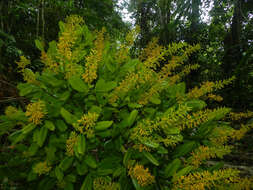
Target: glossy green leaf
[103,125]
[132,117]
[90,161]
[81,144]
[66,163]
[69,118]
[87,183]
[151,158]
[49,125]
[78,84]
[172,167]
[42,136]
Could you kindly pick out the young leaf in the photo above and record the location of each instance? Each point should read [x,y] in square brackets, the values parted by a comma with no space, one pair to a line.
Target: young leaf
[81,144]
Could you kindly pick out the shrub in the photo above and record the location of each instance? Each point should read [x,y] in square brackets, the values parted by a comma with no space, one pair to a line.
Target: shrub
[99,119]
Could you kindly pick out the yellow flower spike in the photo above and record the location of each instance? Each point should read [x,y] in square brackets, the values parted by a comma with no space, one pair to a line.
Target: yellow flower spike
[36,111]
[206,180]
[42,168]
[102,183]
[70,143]
[204,153]
[22,63]
[86,124]
[238,116]
[141,174]
[94,59]
[215,97]
[49,62]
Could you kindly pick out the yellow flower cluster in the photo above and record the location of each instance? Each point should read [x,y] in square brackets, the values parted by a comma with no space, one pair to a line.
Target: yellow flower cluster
[221,135]
[238,134]
[206,180]
[169,67]
[195,119]
[42,168]
[238,116]
[70,143]
[124,86]
[208,87]
[94,58]
[205,153]
[69,36]
[141,174]
[152,54]
[87,123]
[215,97]
[49,62]
[36,111]
[22,63]
[10,110]
[132,35]
[102,183]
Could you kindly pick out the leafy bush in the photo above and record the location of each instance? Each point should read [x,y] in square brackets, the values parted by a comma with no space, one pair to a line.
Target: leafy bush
[99,119]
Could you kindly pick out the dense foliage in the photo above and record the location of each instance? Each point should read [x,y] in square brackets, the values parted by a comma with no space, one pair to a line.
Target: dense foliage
[99,119]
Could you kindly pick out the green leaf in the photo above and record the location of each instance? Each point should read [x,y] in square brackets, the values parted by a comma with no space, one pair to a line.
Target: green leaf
[155,100]
[127,156]
[42,136]
[184,148]
[49,125]
[151,158]
[172,167]
[64,96]
[58,173]
[151,144]
[28,128]
[81,144]
[136,184]
[87,183]
[196,104]
[182,172]
[103,125]
[82,168]
[103,86]
[78,84]
[132,117]
[66,163]
[61,126]
[39,45]
[69,186]
[90,161]
[69,118]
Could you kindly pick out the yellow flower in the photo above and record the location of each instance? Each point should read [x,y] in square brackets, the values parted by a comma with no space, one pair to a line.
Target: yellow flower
[42,168]
[141,174]
[35,111]
[22,63]
[215,97]
[206,180]
[102,183]
[94,59]
[238,116]
[141,148]
[86,124]
[70,143]
[49,62]
[205,153]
